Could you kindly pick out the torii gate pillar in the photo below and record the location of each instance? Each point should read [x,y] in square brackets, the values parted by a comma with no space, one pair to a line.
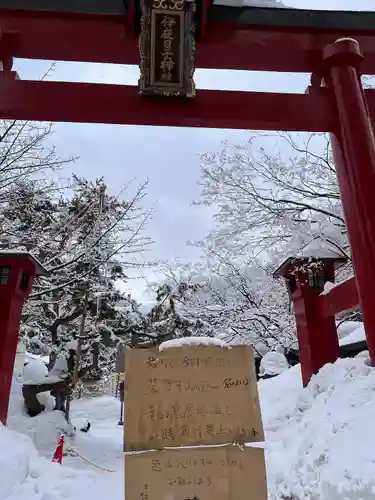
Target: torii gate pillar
[354,154]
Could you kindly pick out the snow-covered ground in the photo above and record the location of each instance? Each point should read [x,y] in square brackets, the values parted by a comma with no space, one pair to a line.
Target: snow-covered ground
[319,442]
[30,475]
[351,332]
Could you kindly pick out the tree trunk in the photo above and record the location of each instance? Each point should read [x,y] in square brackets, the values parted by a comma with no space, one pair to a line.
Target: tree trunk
[95,358]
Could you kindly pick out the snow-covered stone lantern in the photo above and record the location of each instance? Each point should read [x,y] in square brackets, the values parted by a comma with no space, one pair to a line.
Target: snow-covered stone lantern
[306,275]
[17,272]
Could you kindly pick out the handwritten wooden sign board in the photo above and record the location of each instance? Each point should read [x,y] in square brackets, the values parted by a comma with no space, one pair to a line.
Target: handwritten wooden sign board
[220,473]
[188,396]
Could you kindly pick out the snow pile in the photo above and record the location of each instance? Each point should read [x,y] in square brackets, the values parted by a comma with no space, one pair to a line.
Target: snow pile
[355,335]
[328,286]
[16,452]
[192,341]
[26,475]
[44,430]
[29,357]
[344,329]
[36,370]
[319,440]
[273,363]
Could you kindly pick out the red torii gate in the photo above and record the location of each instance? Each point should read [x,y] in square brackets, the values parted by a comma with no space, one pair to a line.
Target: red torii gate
[242,38]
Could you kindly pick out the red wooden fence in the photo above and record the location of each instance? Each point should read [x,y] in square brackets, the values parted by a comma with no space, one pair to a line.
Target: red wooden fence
[315,308]
[342,297]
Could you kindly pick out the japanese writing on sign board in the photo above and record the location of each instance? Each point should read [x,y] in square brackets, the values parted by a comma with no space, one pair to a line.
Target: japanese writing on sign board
[191,396]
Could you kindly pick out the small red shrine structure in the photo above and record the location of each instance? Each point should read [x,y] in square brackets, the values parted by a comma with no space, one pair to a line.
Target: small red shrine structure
[305,277]
[168,39]
[17,272]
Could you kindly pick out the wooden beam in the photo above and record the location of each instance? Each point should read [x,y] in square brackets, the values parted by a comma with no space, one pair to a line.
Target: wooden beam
[117,104]
[342,297]
[274,18]
[287,19]
[106,39]
[100,39]
[230,46]
[98,7]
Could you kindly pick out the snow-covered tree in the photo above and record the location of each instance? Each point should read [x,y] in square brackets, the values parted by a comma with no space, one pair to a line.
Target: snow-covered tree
[85,237]
[25,163]
[274,196]
[170,317]
[86,240]
[237,304]
[272,203]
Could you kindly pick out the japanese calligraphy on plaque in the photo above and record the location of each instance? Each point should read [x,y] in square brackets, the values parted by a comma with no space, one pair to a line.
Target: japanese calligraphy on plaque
[167,48]
[204,473]
[191,396]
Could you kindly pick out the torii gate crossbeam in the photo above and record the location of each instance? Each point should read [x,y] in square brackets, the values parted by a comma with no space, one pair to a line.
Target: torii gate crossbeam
[120,104]
[235,38]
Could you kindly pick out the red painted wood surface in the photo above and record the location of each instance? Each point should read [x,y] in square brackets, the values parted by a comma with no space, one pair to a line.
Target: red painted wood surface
[109,39]
[11,302]
[120,104]
[354,151]
[339,299]
[317,335]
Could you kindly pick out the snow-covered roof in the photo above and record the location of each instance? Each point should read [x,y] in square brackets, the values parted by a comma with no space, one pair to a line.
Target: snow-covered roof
[316,249]
[40,269]
[320,249]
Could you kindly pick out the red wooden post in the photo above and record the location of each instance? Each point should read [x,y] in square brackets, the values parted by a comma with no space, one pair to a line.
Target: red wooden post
[354,151]
[317,335]
[17,271]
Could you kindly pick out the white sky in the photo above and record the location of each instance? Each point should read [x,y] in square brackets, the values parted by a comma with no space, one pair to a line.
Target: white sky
[170,158]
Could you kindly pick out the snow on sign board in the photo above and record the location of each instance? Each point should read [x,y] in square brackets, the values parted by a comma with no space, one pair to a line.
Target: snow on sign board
[222,472]
[190,396]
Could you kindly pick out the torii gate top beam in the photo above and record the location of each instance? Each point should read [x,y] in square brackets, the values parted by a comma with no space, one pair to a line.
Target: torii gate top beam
[251,16]
[97,7]
[249,38]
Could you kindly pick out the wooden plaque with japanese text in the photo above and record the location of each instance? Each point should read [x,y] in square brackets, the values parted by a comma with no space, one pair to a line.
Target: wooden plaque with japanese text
[167,47]
[219,473]
[188,396]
